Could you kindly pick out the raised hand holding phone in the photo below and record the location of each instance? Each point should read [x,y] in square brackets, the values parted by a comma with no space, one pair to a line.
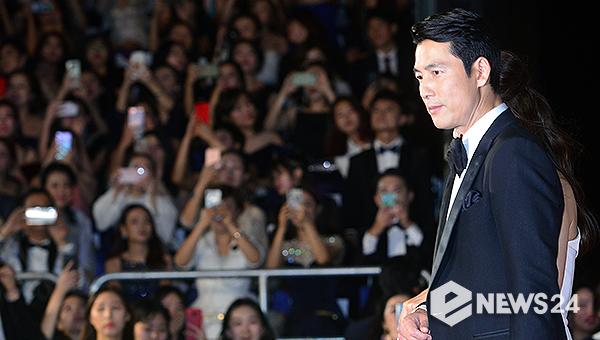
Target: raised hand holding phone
[201,112]
[194,320]
[136,121]
[64,144]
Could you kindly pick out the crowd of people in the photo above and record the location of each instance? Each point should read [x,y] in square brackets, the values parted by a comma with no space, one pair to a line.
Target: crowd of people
[163,135]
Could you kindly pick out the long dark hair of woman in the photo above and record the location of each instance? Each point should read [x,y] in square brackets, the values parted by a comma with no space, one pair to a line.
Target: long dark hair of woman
[89,332]
[156,254]
[536,115]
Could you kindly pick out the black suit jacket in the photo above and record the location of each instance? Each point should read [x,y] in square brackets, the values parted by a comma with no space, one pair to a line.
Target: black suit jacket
[366,71]
[501,235]
[359,210]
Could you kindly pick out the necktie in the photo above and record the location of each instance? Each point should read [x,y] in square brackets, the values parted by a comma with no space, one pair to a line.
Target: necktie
[457,156]
[383,149]
[387,61]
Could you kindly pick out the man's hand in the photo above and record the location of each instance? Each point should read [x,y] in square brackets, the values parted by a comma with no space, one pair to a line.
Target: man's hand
[414,326]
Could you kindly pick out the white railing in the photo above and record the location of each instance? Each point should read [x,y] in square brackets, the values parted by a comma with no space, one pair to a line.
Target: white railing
[31,276]
[262,274]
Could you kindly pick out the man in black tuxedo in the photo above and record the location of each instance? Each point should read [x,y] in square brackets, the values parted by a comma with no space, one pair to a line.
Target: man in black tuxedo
[502,205]
[389,150]
[386,56]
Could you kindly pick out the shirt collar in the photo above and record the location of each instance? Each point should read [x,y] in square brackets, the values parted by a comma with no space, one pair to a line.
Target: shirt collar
[473,136]
[391,53]
[398,141]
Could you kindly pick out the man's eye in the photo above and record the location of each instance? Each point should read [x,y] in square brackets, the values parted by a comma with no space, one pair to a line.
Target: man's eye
[437,72]
[419,77]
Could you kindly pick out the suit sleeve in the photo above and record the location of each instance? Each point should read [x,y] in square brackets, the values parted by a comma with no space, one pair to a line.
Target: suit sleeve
[526,200]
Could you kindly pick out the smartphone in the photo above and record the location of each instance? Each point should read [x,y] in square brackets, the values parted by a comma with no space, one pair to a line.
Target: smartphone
[39,7]
[140,57]
[389,199]
[40,216]
[67,109]
[131,175]
[295,198]
[207,70]
[136,120]
[212,156]
[64,143]
[73,67]
[212,197]
[304,79]
[201,110]
[193,316]
[72,256]
[2,86]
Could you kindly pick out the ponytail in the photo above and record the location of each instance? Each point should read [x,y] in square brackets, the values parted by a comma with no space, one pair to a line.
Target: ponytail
[535,114]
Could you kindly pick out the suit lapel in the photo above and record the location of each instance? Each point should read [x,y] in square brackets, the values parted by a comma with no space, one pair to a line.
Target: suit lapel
[443,210]
[478,159]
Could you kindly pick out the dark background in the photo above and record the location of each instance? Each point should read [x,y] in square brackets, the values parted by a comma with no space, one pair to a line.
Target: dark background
[554,39]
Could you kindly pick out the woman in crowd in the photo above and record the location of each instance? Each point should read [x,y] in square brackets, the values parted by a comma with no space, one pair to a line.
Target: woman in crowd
[108,316]
[298,242]
[217,241]
[150,321]
[235,107]
[49,63]
[172,298]
[303,105]
[137,183]
[584,322]
[250,57]
[137,248]
[64,317]
[349,135]
[22,90]
[245,320]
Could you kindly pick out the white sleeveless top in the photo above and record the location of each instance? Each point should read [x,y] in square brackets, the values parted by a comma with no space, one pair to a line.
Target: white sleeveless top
[567,282]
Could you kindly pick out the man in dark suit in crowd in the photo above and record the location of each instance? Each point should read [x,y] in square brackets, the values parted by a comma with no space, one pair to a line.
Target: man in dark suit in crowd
[389,150]
[502,206]
[385,58]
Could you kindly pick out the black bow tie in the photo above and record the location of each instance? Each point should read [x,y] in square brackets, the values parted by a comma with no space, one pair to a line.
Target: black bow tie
[382,149]
[457,156]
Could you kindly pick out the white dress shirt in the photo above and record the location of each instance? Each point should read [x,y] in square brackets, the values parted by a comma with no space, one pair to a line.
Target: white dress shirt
[398,240]
[381,61]
[387,160]
[342,162]
[471,140]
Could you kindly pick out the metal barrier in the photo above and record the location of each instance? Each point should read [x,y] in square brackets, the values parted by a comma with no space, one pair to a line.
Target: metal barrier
[30,276]
[261,274]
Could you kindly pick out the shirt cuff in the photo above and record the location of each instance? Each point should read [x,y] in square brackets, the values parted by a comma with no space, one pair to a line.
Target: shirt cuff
[414,236]
[369,243]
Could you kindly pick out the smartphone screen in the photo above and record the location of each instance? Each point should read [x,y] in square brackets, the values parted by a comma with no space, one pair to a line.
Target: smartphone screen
[139,57]
[201,111]
[212,197]
[40,216]
[304,79]
[67,109]
[193,316]
[136,120]
[73,67]
[64,143]
[295,198]
[131,175]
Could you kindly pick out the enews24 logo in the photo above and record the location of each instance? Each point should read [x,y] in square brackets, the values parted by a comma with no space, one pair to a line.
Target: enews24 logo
[460,305]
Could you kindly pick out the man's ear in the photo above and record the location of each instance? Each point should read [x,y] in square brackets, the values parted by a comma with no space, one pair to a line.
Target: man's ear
[481,70]
[411,196]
